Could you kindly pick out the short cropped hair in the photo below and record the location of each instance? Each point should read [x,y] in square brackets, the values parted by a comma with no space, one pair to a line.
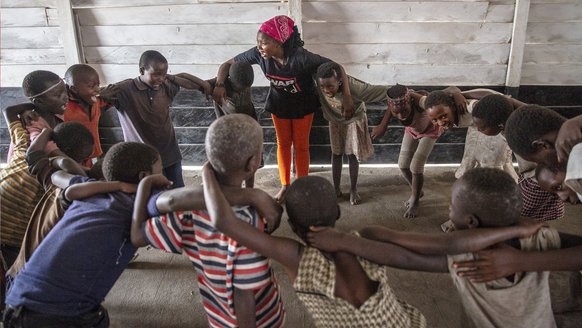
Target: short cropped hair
[529,123]
[231,140]
[72,138]
[78,72]
[493,110]
[396,91]
[36,82]
[151,56]
[242,74]
[439,97]
[329,69]
[125,160]
[491,195]
[312,201]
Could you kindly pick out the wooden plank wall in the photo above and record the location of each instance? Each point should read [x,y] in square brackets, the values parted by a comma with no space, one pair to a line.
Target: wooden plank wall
[553,49]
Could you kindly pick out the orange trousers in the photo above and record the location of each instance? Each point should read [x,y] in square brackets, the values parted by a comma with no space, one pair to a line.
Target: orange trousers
[292,132]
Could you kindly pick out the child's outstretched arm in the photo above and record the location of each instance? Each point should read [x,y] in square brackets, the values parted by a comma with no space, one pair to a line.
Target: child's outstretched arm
[380,129]
[140,211]
[11,113]
[570,135]
[504,260]
[192,198]
[219,92]
[283,250]
[91,188]
[347,101]
[190,81]
[456,242]
[332,240]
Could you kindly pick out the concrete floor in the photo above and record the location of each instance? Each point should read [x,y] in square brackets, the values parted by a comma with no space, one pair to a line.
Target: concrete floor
[159,290]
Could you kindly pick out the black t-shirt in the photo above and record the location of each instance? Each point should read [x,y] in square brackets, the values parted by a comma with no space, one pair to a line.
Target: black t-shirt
[293,91]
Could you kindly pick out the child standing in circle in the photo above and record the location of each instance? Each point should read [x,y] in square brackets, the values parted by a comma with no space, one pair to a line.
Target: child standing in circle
[292,98]
[347,136]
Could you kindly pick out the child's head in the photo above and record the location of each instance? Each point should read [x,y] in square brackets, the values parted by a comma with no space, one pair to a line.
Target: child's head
[83,82]
[551,179]
[485,197]
[241,75]
[46,91]
[440,106]
[234,144]
[491,113]
[74,139]
[130,162]
[311,201]
[398,100]
[531,131]
[153,67]
[278,34]
[329,77]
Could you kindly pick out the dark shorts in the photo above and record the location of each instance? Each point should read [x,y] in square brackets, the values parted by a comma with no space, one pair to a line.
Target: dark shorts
[20,317]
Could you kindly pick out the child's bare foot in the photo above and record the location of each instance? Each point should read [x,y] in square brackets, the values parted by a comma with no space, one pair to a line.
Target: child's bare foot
[355,198]
[411,210]
[280,196]
[411,199]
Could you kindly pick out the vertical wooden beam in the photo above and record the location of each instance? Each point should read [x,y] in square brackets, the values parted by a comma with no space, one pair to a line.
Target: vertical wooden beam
[296,13]
[71,44]
[514,65]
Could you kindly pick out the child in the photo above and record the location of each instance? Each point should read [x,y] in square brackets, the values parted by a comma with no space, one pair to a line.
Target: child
[143,106]
[292,98]
[19,190]
[490,116]
[238,97]
[87,102]
[347,136]
[338,289]
[499,303]
[552,179]
[237,285]
[71,271]
[480,150]
[419,136]
[531,133]
[77,143]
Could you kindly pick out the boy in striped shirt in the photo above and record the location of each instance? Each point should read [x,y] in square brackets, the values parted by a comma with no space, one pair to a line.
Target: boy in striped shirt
[237,285]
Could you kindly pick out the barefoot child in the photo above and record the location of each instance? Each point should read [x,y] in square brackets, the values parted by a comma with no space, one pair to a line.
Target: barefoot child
[87,102]
[490,116]
[348,136]
[77,143]
[71,272]
[338,289]
[238,97]
[143,107]
[237,285]
[495,304]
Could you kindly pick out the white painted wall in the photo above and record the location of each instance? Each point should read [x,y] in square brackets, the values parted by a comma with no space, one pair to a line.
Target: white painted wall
[427,42]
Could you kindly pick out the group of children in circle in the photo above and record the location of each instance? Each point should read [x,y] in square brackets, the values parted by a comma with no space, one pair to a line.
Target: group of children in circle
[49,184]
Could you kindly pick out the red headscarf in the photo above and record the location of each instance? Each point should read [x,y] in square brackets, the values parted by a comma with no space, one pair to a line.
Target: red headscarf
[279,28]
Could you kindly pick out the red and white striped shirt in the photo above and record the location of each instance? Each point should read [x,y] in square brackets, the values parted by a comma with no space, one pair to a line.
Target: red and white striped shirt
[221,263]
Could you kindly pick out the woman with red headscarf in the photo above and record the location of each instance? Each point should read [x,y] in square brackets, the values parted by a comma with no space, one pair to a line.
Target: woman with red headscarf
[292,98]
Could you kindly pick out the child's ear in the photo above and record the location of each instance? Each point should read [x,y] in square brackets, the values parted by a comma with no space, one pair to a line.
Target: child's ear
[540,144]
[473,221]
[141,70]
[143,174]
[501,127]
[73,89]
[252,163]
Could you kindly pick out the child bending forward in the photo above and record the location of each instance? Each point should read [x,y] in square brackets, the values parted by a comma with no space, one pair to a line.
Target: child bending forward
[519,300]
[338,289]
